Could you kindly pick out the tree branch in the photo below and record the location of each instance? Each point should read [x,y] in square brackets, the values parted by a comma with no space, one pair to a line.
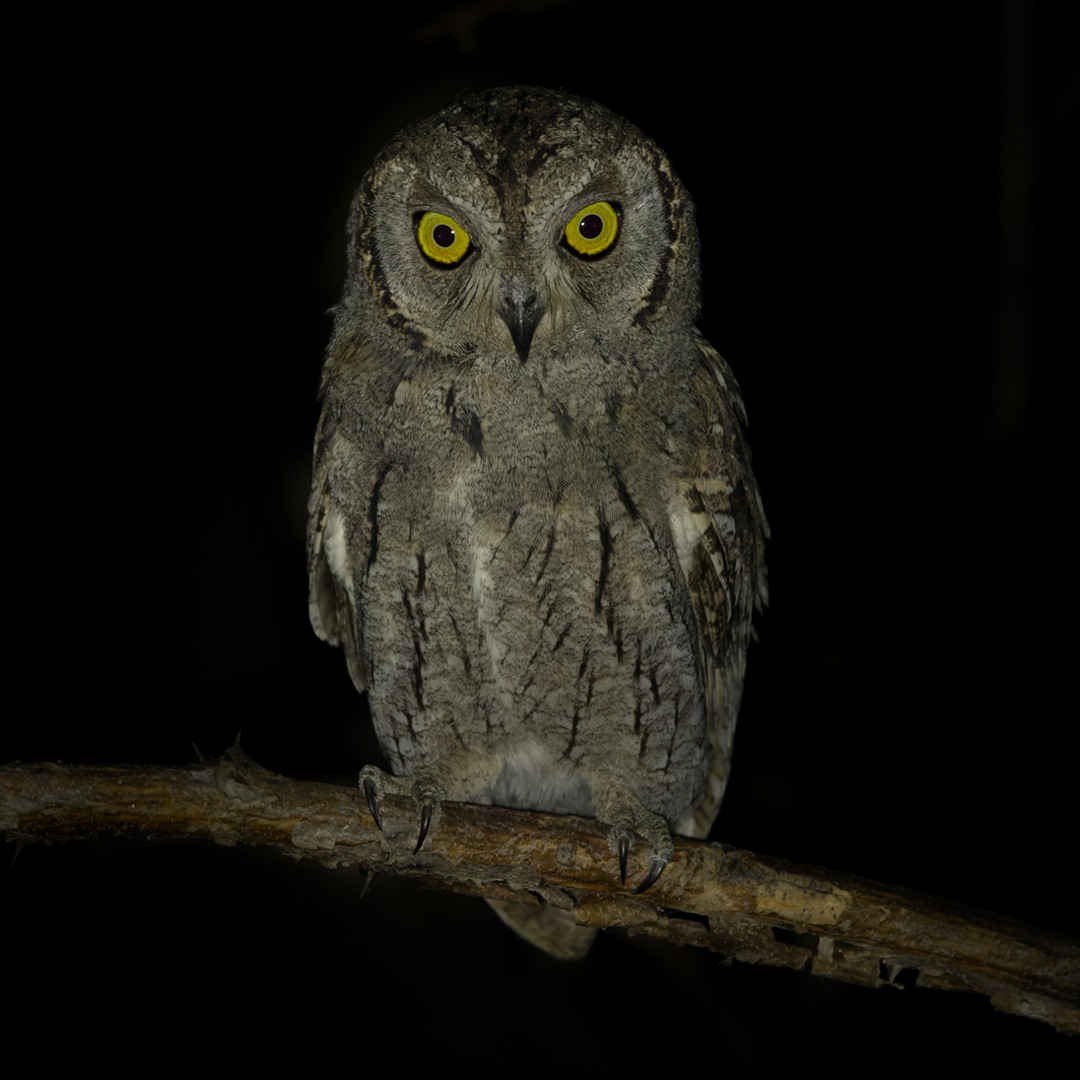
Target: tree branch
[747,907]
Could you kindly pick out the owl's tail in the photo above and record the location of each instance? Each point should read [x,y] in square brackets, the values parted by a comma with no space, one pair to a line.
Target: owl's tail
[548,928]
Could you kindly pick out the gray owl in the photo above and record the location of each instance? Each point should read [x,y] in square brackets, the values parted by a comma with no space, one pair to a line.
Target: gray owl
[533,525]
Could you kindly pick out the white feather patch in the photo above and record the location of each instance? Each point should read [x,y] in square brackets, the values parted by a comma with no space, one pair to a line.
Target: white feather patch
[337,551]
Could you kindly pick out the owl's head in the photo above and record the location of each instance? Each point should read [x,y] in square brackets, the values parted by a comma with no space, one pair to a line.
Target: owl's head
[515,222]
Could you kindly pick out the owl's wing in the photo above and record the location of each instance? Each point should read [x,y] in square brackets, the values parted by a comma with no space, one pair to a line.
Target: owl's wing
[332,604]
[719,529]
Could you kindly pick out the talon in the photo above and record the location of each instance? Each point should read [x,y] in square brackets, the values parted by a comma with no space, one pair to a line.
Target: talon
[656,868]
[624,850]
[371,791]
[369,877]
[425,824]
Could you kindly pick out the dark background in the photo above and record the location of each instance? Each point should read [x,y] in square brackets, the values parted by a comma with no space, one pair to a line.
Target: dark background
[889,238]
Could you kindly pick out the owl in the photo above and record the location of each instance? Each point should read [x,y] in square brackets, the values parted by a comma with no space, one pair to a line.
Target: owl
[533,526]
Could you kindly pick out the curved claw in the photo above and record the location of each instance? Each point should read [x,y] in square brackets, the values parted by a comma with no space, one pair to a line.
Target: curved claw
[371,791]
[425,824]
[656,868]
[624,850]
[369,877]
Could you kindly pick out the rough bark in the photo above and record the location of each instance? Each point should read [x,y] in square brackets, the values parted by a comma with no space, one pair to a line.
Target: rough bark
[747,907]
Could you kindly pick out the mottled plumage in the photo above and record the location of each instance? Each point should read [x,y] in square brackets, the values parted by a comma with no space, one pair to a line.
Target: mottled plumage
[533,525]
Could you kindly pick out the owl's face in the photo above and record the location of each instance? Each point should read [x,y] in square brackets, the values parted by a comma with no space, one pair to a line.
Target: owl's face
[519,223]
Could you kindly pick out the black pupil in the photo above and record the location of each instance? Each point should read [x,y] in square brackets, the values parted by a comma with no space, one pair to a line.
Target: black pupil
[592,225]
[443,235]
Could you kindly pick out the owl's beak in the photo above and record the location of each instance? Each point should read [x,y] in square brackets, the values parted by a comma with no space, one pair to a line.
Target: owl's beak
[521,310]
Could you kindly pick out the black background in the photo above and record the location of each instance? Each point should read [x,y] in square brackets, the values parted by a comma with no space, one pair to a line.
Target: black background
[888,229]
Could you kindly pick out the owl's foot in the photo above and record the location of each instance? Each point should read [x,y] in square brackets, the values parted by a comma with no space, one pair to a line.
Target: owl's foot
[619,806]
[630,822]
[422,789]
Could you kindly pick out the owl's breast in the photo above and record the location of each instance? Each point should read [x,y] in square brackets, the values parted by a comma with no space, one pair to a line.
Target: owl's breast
[520,598]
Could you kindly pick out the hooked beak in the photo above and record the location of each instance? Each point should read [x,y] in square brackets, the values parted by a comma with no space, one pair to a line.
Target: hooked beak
[521,310]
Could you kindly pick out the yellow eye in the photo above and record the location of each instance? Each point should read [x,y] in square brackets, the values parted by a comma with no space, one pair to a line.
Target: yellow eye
[442,239]
[592,231]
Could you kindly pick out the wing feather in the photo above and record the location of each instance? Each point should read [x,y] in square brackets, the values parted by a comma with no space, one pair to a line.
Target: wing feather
[332,602]
[719,528]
